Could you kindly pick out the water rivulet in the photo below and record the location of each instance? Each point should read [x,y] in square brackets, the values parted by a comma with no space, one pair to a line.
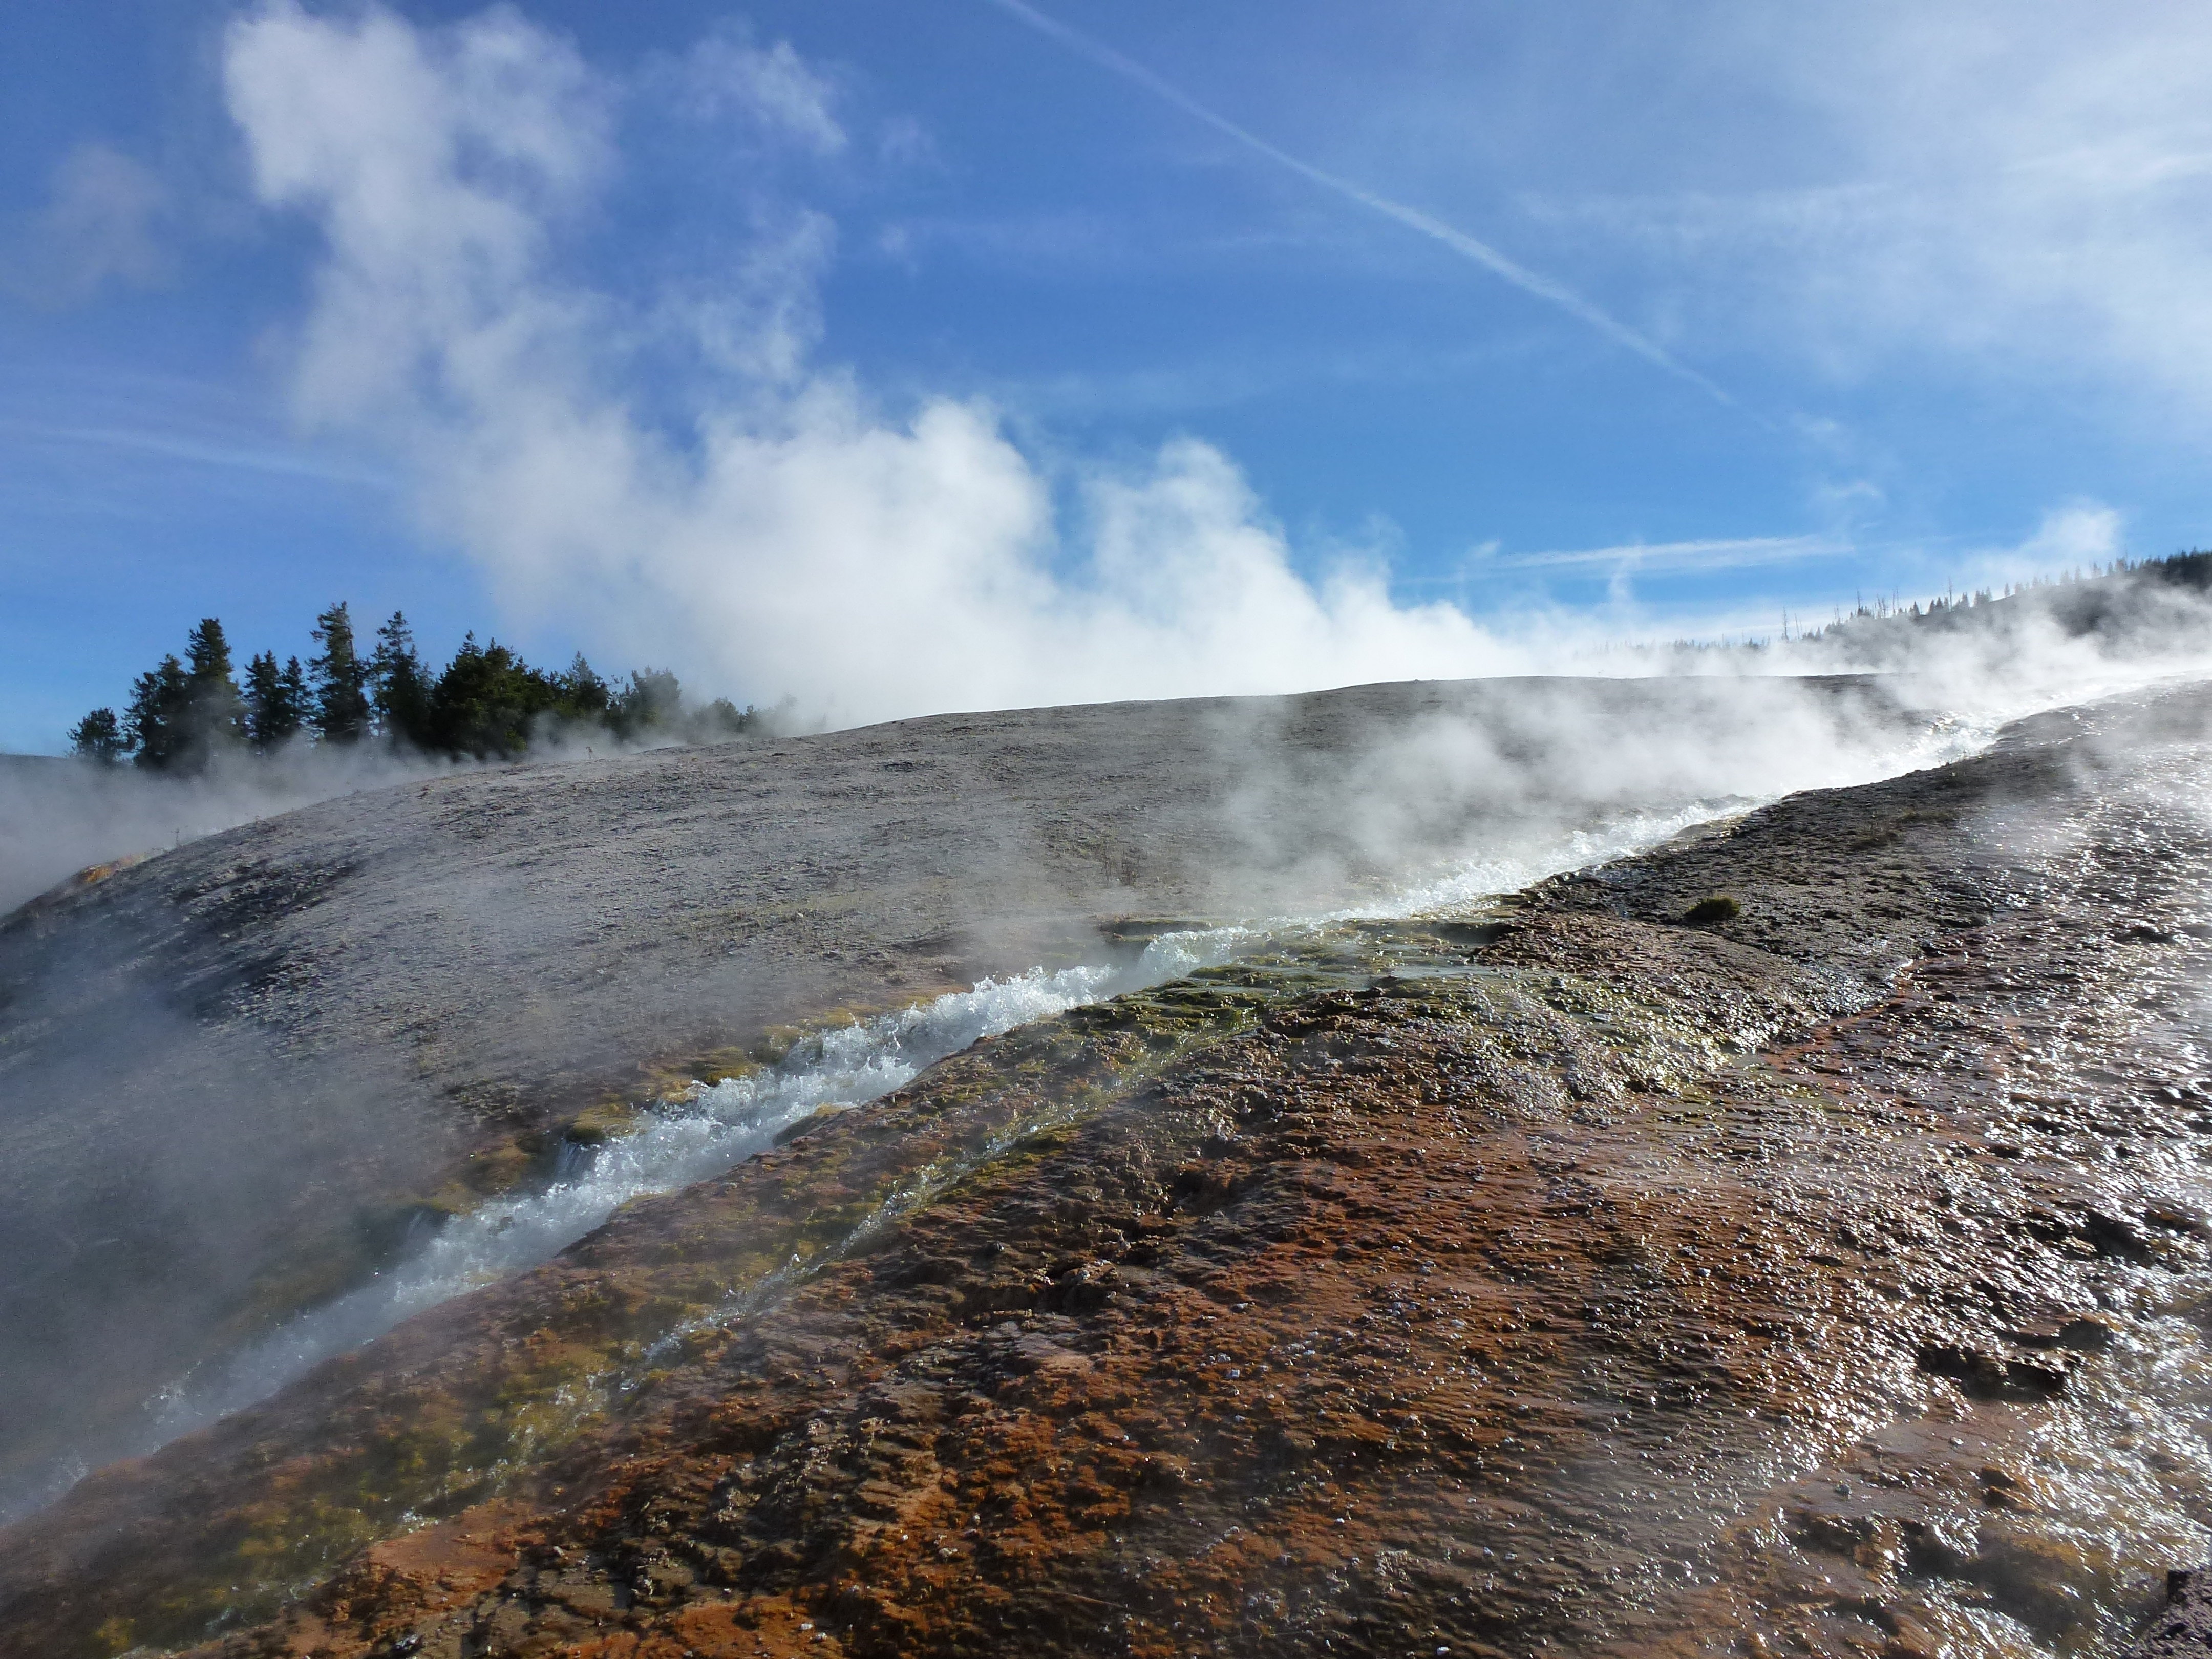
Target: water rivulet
[1830,1275]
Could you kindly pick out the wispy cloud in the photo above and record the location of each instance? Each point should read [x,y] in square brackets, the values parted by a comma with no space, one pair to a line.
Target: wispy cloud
[725,74]
[2021,189]
[224,453]
[2072,535]
[1668,558]
[1085,241]
[102,225]
[1450,236]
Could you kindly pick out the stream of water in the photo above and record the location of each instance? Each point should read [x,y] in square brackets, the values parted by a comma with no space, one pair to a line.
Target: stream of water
[723,1123]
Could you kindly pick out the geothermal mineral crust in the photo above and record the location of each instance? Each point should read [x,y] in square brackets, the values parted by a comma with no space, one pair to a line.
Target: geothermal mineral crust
[1612,1270]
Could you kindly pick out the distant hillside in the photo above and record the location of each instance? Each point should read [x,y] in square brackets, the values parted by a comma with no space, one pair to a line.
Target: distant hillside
[2149,608]
[26,769]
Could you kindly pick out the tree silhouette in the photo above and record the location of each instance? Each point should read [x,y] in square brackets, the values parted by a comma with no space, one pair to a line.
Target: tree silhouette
[275,701]
[160,701]
[486,701]
[399,688]
[215,715]
[98,736]
[341,680]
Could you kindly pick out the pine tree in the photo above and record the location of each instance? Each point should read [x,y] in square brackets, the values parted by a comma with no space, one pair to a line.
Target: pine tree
[215,716]
[160,699]
[98,736]
[263,688]
[275,701]
[207,652]
[653,699]
[399,688]
[581,694]
[341,706]
[486,700]
[297,697]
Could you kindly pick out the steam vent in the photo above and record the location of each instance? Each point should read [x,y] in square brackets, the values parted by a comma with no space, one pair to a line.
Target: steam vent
[1091,1181]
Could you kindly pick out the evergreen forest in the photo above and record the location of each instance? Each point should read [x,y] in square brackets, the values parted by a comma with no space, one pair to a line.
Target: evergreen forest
[486,703]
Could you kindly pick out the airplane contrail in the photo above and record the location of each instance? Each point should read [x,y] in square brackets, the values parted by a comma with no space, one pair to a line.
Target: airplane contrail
[1511,271]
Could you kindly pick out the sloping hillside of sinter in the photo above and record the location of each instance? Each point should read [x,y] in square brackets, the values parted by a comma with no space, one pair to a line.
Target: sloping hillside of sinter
[1605,1271]
[239,1077]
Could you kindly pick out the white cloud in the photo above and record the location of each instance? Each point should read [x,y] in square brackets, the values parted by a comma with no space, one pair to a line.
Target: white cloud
[2017,187]
[758,316]
[726,76]
[1670,558]
[433,163]
[2077,536]
[761,522]
[803,540]
[102,224]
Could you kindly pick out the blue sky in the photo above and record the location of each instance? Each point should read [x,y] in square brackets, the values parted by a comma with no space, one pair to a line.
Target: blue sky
[916,355]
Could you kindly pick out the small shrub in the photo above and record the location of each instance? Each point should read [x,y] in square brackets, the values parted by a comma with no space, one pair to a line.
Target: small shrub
[1717,906]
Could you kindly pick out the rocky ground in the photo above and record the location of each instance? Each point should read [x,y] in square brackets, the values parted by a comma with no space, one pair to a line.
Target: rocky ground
[2183,1628]
[1829,1273]
[241,1076]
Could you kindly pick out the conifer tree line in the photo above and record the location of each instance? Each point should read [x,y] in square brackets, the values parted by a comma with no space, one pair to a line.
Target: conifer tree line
[486,702]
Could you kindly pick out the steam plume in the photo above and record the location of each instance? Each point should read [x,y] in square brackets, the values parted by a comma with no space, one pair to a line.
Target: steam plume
[796,538]
[780,532]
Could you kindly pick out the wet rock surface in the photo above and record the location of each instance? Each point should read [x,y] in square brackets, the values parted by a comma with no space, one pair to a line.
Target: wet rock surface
[2183,1628]
[1832,1279]
[239,1077]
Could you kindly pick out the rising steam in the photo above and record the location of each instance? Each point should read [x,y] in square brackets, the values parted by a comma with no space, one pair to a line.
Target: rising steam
[782,531]
[773,530]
